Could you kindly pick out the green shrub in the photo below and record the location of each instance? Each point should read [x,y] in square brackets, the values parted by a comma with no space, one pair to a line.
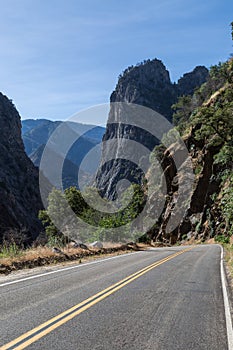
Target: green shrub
[10,250]
[222,239]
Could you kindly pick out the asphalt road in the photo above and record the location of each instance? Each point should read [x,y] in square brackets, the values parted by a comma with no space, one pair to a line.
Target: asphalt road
[174,304]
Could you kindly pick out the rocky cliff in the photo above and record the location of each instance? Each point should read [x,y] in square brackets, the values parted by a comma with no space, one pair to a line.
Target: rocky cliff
[147,84]
[190,81]
[208,137]
[19,184]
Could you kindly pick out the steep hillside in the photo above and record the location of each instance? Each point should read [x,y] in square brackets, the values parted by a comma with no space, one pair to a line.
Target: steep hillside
[149,85]
[19,185]
[190,81]
[198,197]
[207,131]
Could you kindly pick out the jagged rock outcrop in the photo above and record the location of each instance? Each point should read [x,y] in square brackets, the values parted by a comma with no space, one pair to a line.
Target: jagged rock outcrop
[19,181]
[208,137]
[190,81]
[206,183]
[147,84]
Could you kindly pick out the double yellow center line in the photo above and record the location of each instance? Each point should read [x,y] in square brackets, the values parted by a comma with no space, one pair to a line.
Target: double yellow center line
[36,333]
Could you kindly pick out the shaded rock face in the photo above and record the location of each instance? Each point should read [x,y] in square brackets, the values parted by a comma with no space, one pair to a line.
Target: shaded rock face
[187,84]
[19,181]
[149,85]
[206,183]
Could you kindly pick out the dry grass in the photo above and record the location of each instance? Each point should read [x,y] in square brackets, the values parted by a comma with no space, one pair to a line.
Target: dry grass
[111,245]
[29,254]
[42,256]
[46,252]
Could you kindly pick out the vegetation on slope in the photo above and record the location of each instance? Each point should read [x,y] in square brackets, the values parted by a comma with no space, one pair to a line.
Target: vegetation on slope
[205,121]
[209,116]
[98,220]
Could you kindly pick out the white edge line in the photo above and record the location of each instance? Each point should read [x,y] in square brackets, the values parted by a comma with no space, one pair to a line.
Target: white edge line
[226,305]
[66,269]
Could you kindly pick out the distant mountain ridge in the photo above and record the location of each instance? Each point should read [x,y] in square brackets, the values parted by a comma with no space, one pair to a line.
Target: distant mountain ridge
[36,133]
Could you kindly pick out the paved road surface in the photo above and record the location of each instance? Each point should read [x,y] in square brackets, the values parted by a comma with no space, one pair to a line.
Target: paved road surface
[175,302]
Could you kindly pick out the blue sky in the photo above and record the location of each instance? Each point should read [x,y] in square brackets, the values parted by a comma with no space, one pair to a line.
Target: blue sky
[61,56]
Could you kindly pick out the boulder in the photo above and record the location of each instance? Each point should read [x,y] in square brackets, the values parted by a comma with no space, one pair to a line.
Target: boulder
[96,244]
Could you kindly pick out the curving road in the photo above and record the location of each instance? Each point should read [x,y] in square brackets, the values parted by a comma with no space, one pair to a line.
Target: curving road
[160,299]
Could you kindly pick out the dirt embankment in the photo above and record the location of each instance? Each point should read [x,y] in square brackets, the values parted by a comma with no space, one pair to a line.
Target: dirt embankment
[44,256]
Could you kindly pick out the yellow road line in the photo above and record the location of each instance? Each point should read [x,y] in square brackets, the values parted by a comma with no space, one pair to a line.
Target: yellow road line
[36,333]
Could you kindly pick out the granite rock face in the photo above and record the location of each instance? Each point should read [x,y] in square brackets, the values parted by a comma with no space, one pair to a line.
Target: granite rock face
[149,85]
[19,181]
[187,84]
